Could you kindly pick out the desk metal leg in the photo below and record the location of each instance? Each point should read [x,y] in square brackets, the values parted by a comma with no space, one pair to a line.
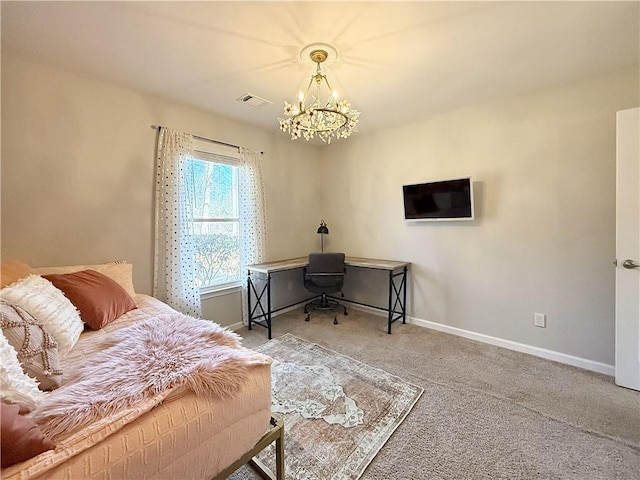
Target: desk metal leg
[258,311]
[269,305]
[400,298]
[404,295]
[390,313]
[249,288]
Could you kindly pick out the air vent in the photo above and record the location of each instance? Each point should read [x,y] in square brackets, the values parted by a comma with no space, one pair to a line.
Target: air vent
[254,100]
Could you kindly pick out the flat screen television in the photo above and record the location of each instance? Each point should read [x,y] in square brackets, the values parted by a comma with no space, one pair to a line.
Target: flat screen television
[442,200]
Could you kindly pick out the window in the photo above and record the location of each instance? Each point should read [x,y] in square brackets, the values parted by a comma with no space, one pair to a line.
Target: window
[212,180]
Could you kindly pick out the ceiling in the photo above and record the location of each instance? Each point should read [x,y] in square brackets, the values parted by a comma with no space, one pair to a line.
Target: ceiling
[397,61]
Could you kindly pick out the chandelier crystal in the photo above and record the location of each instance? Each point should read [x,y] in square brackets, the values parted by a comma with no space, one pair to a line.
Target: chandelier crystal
[325,119]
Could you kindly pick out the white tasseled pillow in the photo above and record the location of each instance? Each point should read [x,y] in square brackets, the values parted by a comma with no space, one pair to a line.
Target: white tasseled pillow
[15,385]
[47,304]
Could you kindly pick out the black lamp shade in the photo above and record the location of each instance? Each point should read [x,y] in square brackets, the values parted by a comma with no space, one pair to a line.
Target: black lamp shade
[322,229]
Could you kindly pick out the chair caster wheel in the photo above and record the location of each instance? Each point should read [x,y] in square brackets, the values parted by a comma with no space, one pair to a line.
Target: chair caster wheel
[345,312]
[335,321]
[306,318]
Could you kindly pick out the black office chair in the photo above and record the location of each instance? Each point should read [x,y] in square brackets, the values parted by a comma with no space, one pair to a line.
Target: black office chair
[324,275]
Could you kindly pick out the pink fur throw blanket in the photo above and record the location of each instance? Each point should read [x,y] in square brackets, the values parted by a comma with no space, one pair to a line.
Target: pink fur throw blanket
[142,360]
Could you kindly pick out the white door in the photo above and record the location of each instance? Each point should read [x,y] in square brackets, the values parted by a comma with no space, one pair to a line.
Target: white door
[628,249]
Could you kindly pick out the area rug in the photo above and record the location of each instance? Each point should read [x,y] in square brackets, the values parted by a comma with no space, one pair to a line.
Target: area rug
[338,412]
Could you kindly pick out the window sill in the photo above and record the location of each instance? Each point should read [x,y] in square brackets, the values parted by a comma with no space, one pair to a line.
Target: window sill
[218,291]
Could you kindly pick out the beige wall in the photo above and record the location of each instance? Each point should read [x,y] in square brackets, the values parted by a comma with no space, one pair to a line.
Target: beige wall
[77,173]
[543,167]
[77,187]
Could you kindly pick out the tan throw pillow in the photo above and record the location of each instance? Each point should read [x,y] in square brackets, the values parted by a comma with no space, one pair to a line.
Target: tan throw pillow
[21,437]
[36,348]
[47,304]
[121,272]
[99,299]
[13,271]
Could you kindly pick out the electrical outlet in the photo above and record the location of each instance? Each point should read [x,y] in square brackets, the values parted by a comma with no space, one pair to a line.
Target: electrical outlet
[539,320]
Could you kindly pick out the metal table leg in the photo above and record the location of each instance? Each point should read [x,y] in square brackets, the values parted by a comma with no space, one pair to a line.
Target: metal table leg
[400,299]
[257,311]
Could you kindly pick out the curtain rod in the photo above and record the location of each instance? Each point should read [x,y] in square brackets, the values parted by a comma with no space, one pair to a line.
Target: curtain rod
[157,127]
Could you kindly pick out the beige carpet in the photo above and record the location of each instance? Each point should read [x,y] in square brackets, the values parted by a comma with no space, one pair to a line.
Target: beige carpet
[486,412]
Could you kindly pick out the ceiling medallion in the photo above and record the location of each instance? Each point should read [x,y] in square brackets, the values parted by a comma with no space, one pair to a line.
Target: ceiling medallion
[311,116]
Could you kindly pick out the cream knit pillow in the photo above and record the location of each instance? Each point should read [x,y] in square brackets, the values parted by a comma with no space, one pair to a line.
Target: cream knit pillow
[36,348]
[15,385]
[47,304]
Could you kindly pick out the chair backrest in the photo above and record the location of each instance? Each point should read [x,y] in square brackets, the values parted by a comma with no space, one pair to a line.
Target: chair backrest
[324,272]
[329,262]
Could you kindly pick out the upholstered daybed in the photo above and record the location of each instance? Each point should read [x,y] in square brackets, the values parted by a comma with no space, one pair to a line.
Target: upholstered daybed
[134,401]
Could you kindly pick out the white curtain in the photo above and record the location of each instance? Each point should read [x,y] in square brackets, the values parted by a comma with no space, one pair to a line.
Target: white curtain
[174,280]
[253,219]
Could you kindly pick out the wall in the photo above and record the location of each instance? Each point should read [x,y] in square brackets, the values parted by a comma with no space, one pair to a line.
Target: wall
[543,167]
[77,173]
[77,187]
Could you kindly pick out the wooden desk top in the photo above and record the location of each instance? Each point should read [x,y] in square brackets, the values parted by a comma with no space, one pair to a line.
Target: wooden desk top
[299,262]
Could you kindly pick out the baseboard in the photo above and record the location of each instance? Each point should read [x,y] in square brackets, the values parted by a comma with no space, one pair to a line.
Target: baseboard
[518,347]
[480,337]
[234,327]
[289,309]
[239,325]
[508,344]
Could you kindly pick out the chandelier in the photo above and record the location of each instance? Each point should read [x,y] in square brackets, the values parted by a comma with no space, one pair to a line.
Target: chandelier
[325,119]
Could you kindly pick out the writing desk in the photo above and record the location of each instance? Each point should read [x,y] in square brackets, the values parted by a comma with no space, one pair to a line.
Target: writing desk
[260,314]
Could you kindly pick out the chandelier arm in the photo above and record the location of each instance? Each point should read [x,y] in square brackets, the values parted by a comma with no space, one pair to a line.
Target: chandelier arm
[330,97]
[306,94]
[328,84]
[318,98]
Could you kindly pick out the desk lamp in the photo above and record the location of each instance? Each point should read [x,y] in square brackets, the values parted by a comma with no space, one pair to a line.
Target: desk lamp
[322,230]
